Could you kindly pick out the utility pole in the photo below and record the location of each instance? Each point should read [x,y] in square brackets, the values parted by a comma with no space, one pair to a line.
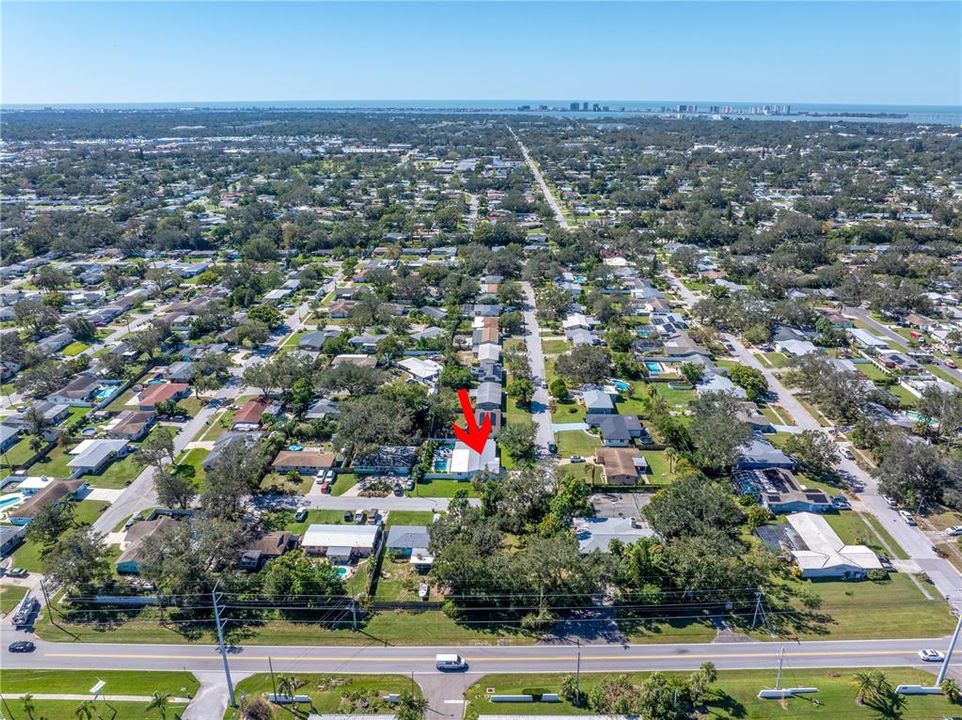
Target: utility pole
[216,596]
[46,601]
[758,608]
[578,676]
[948,653]
[354,614]
[781,660]
[270,665]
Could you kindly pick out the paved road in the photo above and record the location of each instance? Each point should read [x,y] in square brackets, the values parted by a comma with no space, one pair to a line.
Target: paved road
[376,658]
[355,502]
[893,337]
[913,541]
[539,178]
[540,412]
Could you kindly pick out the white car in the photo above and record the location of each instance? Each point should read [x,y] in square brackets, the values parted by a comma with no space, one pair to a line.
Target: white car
[954,530]
[930,655]
[907,517]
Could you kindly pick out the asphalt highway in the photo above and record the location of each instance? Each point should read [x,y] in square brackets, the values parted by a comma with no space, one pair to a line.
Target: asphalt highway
[482,660]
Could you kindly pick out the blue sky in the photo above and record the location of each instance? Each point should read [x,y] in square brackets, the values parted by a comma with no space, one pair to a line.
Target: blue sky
[861,52]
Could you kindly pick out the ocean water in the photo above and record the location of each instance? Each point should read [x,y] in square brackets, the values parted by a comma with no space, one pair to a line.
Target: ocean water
[934,114]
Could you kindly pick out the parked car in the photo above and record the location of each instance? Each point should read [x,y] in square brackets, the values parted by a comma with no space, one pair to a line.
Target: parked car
[300,515]
[907,517]
[450,661]
[17,572]
[553,448]
[889,501]
[954,531]
[577,459]
[847,454]
[949,362]
[21,646]
[841,502]
[409,484]
[360,518]
[885,562]
[398,490]
[348,516]
[930,655]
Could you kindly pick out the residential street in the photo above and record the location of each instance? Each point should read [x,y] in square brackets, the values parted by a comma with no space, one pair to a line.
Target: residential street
[540,412]
[913,541]
[539,178]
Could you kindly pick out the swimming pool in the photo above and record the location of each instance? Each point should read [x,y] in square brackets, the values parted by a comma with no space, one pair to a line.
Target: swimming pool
[104,393]
[653,367]
[622,385]
[8,501]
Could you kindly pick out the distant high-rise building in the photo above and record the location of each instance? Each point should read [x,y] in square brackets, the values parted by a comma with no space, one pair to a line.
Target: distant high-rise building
[584,105]
[573,106]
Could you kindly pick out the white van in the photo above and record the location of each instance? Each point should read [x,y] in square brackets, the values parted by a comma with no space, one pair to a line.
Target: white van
[449,662]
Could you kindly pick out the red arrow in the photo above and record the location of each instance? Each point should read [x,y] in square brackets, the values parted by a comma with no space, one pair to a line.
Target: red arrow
[474,437]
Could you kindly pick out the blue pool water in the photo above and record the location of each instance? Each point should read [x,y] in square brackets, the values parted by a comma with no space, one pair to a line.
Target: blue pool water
[653,367]
[342,571]
[295,447]
[441,465]
[103,393]
[622,385]
[9,501]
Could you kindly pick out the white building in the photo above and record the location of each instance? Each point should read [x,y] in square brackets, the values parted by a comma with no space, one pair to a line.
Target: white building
[824,555]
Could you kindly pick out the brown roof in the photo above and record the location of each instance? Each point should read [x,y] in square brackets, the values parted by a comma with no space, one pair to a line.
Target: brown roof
[489,322]
[304,458]
[132,421]
[617,462]
[159,393]
[251,411]
[489,334]
[134,538]
[273,543]
[53,493]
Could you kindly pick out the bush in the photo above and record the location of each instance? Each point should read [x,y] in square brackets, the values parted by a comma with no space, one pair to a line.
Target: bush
[877,574]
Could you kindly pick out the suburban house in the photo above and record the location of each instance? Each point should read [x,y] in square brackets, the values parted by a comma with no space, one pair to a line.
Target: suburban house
[53,493]
[622,466]
[597,402]
[596,533]
[341,543]
[10,538]
[131,548]
[267,547]
[616,430]
[159,393]
[402,540]
[778,490]
[81,391]
[303,462]
[9,436]
[388,460]
[820,553]
[759,453]
[249,415]
[488,396]
[425,372]
[228,440]
[131,425]
[93,456]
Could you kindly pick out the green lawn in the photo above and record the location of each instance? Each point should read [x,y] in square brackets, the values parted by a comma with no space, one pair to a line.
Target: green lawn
[191,464]
[576,442]
[27,556]
[554,347]
[191,404]
[658,463]
[678,398]
[79,682]
[568,411]
[54,465]
[119,474]
[427,627]
[631,405]
[514,415]
[89,510]
[867,610]
[399,581]
[355,694]
[442,488]
[854,529]
[343,482]
[409,517]
[75,348]
[585,471]
[872,371]
[19,454]
[10,595]
[733,696]
[218,427]
[318,517]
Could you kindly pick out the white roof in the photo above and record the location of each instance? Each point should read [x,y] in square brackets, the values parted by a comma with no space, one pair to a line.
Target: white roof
[340,536]
[420,368]
[866,338]
[34,483]
[96,453]
[825,547]
[575,320]
[488,351]
[796,347]
[464,459]
[81,447]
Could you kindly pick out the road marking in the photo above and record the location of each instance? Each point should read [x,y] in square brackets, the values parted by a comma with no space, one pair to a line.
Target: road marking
[502,659]
[454,702]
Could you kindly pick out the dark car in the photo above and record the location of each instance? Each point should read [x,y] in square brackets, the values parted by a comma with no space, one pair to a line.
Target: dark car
[22,646]
[360,518]
[552,448]
[348,516]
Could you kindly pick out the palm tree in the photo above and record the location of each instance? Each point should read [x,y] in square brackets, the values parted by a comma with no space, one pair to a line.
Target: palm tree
[158,701]
[671,454]
[28,706]
[289,684]
[411,706]
[85,710]
[864,685]
[950,688]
